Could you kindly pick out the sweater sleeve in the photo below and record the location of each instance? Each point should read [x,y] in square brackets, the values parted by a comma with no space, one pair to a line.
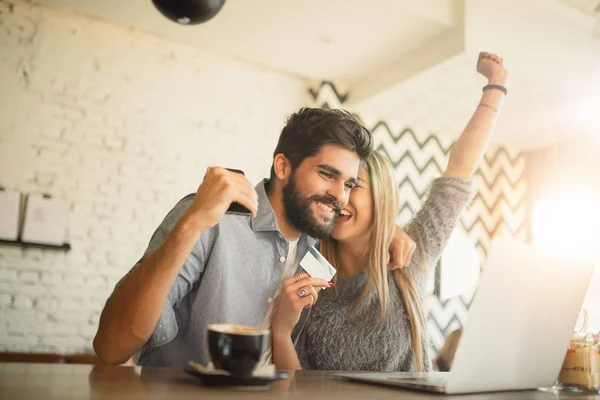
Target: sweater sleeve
[432,226]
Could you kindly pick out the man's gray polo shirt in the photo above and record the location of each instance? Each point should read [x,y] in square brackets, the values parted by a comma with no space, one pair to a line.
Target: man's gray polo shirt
[231,276]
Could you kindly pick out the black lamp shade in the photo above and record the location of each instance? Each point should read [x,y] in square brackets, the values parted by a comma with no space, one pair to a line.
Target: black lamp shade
[189,12]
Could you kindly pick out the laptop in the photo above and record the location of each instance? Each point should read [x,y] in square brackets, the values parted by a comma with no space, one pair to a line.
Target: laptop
[520,323]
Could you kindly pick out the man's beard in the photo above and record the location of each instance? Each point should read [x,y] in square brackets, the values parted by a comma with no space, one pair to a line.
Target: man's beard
[300,214]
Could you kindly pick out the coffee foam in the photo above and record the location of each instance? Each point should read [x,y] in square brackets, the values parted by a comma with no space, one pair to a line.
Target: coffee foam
[238,329]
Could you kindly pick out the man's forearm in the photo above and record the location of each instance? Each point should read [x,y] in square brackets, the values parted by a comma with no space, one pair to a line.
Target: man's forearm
[134,308]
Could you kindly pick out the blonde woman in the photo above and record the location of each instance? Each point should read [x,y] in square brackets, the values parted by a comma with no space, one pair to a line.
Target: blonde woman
[373,319]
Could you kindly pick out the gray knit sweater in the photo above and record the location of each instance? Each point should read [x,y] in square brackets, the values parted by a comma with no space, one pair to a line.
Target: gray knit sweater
[333,341]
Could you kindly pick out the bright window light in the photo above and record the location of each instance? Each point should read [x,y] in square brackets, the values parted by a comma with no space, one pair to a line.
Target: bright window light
[568,225]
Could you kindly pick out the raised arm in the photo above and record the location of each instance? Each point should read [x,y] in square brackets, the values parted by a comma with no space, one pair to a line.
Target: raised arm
[464,159]
[432,226]
[136,305]
[473,142]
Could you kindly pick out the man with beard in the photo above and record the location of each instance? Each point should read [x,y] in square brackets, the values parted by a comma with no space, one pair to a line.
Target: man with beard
[203,266]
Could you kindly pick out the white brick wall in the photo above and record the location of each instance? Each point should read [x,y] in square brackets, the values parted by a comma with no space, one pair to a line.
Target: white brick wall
[122,124]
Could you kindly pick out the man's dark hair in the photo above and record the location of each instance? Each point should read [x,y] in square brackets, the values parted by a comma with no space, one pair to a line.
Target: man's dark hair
[309,129]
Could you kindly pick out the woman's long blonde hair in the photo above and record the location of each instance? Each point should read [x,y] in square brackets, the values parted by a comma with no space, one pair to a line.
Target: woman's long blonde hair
[386,207]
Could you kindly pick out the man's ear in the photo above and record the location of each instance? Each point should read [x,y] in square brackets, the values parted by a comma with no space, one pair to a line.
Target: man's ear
[282,167]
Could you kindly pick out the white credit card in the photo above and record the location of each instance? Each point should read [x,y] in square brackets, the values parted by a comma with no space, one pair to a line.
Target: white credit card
[316,265]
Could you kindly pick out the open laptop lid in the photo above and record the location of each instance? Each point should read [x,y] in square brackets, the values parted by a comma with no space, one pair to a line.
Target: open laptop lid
[520,321]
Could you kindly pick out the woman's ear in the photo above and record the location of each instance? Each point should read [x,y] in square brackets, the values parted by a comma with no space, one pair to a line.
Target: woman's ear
[282,167]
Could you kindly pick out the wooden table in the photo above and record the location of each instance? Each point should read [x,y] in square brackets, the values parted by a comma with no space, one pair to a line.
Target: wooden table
[60,381]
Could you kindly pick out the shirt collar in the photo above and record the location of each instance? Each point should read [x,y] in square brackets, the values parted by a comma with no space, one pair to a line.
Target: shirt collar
[266,219]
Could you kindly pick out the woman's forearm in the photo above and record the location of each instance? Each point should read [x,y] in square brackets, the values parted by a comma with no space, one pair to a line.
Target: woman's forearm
[473,142]
[284,353]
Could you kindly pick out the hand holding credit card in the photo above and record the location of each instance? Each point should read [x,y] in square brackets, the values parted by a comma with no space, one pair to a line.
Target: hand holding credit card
[316,265]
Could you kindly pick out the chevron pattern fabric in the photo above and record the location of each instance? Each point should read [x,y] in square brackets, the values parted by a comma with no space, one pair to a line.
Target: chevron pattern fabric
[498,207]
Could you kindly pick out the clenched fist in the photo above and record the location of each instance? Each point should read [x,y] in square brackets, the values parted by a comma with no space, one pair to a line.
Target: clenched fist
[490,66]
[218,190]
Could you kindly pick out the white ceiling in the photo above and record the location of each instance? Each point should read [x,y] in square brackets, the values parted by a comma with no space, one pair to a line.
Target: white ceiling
[553,55]
[586,6]
[316,39]
[406,56]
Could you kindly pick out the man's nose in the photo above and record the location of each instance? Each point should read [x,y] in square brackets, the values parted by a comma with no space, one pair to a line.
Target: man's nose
[339,193]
